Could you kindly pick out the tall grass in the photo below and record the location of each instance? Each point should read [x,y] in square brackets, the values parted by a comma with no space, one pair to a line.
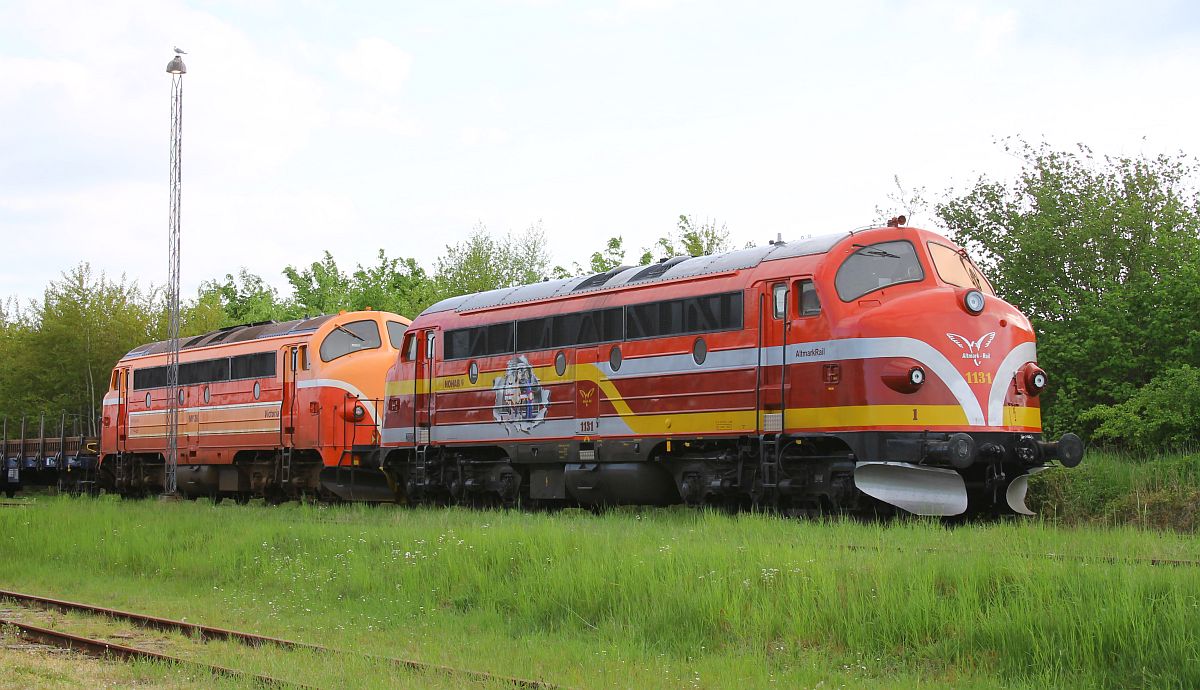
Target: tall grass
[642,598]
[1120,488]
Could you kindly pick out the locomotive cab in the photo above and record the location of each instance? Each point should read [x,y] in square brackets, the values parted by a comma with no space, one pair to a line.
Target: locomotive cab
[950,370]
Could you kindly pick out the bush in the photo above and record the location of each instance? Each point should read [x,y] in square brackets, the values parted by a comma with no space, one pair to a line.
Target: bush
[1164,413]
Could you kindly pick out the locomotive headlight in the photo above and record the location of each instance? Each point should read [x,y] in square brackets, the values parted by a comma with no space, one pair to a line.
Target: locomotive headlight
[354,413]
[916,376]
[903,375]
[973,301]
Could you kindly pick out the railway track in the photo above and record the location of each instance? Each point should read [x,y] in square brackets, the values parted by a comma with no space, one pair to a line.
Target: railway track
[205,633]
[109,650]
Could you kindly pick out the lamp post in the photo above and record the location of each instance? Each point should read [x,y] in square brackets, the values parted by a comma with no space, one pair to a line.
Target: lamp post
[176,69]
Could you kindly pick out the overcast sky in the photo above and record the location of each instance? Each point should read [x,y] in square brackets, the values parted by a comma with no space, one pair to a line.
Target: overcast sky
[318,125]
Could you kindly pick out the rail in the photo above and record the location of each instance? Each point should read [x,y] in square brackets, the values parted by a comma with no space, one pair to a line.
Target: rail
[104,649]
[206,632]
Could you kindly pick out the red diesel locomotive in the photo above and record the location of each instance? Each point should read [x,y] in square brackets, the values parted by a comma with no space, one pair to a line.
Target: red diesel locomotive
[842,372]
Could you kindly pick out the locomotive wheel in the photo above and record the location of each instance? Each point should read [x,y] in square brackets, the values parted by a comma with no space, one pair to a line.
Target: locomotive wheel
[9,493]
[242,498]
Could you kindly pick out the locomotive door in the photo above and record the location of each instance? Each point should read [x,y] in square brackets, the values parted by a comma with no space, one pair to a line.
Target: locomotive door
[773,335]
[287,409]
[423,395]
[122,408]
[190,416]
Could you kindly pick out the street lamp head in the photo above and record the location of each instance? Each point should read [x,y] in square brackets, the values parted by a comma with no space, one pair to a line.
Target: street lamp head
[176,66]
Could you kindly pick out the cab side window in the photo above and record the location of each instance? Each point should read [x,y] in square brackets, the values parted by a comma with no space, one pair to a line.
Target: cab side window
[779,299]
[409,351]
[807,300]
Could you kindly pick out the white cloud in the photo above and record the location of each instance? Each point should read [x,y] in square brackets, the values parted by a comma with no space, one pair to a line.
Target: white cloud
[477,136]
[307,128]
[377,64]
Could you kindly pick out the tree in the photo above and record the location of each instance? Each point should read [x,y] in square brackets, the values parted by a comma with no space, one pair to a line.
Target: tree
[1100,252]
[246,298]
[691,239]
[395,285]
[58,353]
[322,288]
[483,262]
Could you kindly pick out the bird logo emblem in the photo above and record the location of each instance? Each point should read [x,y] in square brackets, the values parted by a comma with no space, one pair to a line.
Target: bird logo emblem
[974,348]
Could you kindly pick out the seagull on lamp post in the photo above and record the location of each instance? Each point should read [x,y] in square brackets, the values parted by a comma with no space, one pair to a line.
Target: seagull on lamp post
[180,51]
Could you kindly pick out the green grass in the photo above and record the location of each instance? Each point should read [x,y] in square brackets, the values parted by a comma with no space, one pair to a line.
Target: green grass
[1113,488]
[661,598]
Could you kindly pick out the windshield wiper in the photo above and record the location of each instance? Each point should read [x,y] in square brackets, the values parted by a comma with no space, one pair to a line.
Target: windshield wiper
[347,330]
[874,252]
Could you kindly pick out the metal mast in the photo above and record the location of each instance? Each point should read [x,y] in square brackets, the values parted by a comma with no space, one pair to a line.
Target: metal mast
[176,69]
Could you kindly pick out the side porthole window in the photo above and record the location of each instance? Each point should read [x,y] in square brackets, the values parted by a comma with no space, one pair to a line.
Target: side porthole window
[180,396]
[779,299]
[699,351]
[473,372]
[614,358]
[147,401]
[206,395]
[257,390]
[560,364]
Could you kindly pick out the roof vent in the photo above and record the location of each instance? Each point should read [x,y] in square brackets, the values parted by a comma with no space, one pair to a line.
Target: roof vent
[599,279]
[652,272]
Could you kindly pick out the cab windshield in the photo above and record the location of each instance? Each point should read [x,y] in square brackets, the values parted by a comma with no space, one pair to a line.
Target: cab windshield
[955,268]
[877,266]
[350,337]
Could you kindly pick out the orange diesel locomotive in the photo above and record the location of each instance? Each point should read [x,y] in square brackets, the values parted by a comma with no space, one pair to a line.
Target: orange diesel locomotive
[264,408]
[857,370]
